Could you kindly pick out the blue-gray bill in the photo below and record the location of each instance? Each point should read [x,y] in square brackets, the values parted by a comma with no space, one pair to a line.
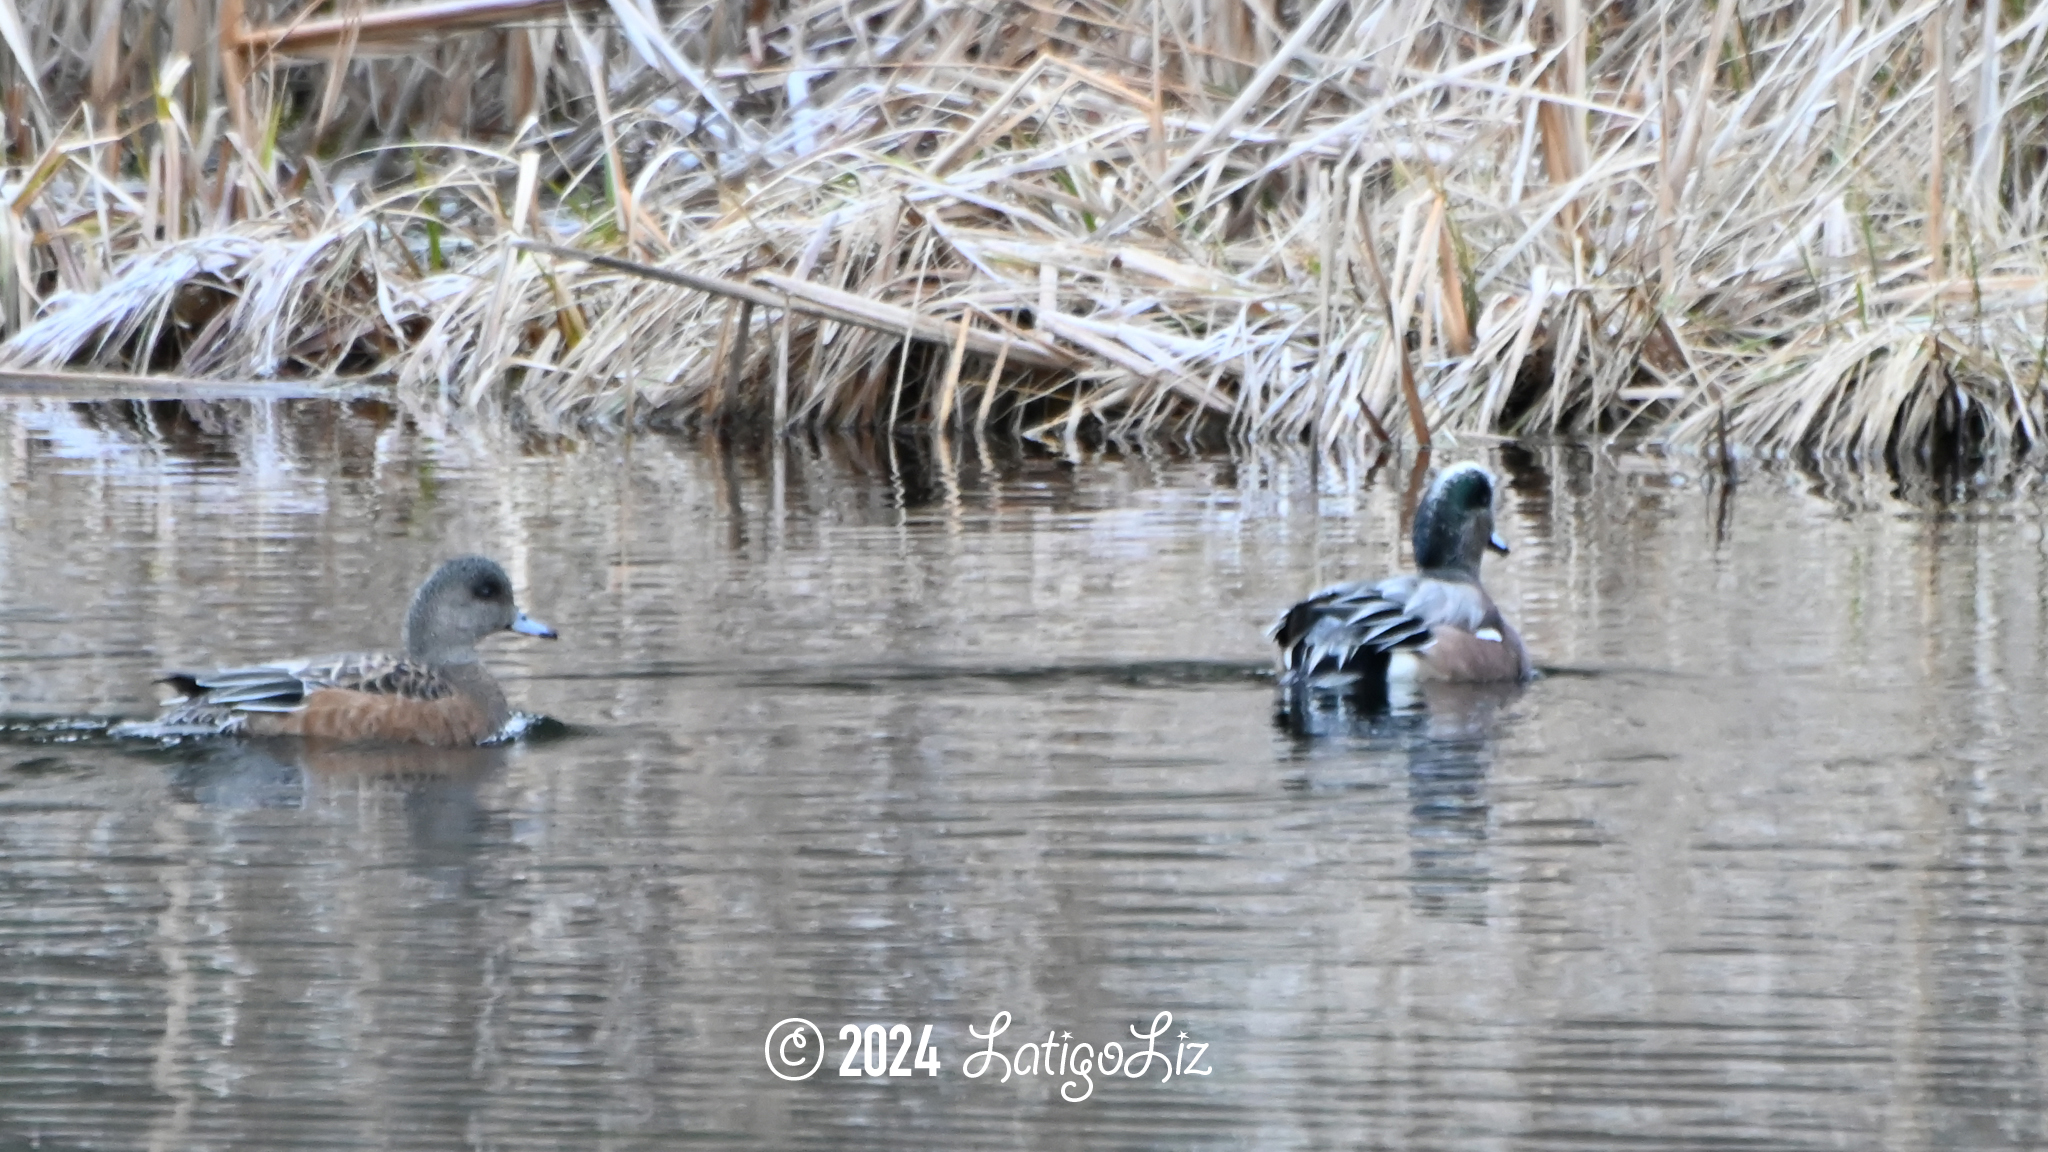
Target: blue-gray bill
[527,625]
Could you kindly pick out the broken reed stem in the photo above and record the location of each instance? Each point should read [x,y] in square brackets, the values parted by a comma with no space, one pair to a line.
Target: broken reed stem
[823,302]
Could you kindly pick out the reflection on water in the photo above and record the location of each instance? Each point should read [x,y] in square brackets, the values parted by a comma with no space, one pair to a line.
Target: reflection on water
[927,732]
[1444,739]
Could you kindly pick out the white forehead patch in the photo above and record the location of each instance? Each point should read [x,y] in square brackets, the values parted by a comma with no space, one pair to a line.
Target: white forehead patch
[1461,468]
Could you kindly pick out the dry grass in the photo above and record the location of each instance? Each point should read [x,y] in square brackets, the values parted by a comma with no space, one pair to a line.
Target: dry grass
[1795,226]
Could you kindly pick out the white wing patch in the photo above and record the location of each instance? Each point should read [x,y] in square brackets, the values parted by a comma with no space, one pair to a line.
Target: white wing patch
[1492,634]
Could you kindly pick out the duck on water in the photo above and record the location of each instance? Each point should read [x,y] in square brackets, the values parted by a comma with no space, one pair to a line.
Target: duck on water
[436,692]
[1436,624]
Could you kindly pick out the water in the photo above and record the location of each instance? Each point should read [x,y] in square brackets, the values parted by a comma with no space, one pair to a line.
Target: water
[930,736]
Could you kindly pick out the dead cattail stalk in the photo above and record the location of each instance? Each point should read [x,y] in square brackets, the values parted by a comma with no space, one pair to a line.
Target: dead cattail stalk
[1848,18]
[1457,326]
[944,410]
[522,80]
[234,68]
[337,66]
[106,63]
[1667,195]
[16,38]
[525,192]
[174,139]
[615,167]
[735,367]
[395,28]
[1563,124]
[719,394]
[1935,54]
[1329,227]
[1681,162]
[988,390]
[1410,395]
[1987,132]
[780,412]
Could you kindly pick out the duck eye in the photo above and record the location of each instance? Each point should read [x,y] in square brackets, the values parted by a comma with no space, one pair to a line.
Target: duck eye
[486,590]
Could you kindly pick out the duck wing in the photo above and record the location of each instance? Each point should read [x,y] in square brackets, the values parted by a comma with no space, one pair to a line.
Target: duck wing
[1345,629]
[213,699]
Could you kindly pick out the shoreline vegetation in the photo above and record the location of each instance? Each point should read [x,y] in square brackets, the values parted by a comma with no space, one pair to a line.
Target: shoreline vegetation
[1767,225]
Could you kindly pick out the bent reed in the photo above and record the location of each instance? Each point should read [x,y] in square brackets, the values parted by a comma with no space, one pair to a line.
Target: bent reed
[1791,226]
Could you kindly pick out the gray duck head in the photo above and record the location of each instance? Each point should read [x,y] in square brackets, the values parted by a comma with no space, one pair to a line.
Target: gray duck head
[1454,525]
[465,600]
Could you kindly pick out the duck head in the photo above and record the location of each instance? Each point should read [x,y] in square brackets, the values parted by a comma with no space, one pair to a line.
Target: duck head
[1454,525]
[465,600]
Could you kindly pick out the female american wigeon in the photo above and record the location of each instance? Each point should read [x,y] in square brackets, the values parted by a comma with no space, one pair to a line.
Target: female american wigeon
[437,692]
[1437,624]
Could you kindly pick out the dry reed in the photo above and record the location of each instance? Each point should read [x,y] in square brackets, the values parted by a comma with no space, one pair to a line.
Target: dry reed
[1797,226]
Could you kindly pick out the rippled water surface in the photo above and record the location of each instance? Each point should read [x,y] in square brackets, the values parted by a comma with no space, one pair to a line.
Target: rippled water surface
[930,733]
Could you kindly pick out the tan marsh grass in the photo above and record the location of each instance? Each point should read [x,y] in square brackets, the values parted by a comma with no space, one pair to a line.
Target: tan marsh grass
[1791,226]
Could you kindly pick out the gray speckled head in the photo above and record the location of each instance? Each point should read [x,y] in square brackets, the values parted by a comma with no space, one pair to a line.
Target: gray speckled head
[465,600]
[1454,526]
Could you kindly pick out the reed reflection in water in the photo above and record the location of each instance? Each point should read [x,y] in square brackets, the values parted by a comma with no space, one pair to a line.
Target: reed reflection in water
[922,732]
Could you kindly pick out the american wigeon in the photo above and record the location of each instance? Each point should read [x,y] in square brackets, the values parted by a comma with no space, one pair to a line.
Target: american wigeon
[437,692]
[1437,624]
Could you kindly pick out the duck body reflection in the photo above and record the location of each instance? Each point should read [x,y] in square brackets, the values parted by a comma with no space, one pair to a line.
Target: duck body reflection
[1440,746]
[440,787]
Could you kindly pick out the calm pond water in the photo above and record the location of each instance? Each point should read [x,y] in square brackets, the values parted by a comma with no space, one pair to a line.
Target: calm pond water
[931,736]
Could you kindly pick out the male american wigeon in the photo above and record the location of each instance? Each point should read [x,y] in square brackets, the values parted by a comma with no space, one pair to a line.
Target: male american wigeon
[1437,624]
[437,692]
